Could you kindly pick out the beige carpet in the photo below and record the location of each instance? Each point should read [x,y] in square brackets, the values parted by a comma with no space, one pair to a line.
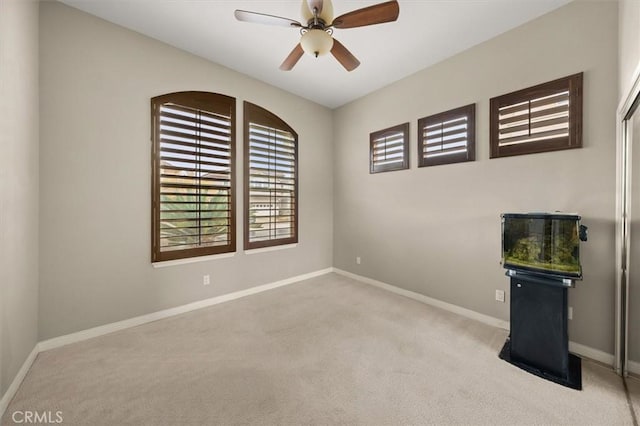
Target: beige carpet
[633,385]
[324,351]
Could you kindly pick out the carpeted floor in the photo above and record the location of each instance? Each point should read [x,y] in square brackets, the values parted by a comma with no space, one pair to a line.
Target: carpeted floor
[633,385]
[328,350]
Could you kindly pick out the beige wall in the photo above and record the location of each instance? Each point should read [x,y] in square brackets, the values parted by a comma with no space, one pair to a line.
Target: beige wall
[629,43]
[436,230]
[18,185]
[97,80]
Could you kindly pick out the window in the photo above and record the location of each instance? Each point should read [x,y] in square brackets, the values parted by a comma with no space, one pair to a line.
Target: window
[389,149]
[547,117]
[271,179]
[193,192]
[448,137]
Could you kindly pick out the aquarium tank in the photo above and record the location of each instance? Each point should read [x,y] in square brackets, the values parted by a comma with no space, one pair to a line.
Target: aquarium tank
[543,243]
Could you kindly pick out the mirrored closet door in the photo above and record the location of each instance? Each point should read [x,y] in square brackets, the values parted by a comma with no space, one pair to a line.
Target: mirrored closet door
[628,246]
[633,282]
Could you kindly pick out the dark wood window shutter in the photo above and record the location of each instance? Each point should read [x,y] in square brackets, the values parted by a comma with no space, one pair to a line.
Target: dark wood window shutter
[546,117]
[389,149]
[447,137]
[193,191]
[271,179]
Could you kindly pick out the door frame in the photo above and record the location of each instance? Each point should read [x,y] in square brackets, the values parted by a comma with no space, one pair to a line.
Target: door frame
[624,173]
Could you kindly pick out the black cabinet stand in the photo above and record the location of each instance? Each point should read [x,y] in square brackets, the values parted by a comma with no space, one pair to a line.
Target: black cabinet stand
[539,339]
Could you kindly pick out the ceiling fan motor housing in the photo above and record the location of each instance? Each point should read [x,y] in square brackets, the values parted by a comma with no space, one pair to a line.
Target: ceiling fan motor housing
[325,14]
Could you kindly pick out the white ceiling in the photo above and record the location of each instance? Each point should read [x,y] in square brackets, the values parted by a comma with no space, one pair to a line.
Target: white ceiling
[426,32]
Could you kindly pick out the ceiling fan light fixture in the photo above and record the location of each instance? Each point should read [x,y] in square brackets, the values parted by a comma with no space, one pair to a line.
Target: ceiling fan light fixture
[316,42]
[318,25]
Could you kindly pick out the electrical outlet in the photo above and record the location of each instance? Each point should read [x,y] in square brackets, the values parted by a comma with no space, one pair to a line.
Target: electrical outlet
[500,295]
[570,313]
[358,260]
[206,280]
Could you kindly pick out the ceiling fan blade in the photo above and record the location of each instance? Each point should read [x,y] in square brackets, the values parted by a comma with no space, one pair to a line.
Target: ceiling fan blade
[344,56]
[262,18]
[292,59]
[376,14]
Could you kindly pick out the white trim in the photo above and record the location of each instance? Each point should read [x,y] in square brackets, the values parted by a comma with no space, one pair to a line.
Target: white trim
[577,348]
[627,98]
[79,336]
[154,316]
[192,260]
[143,319]
[633,367]
[17,381]
[428,300]
[273,248]
[591,353]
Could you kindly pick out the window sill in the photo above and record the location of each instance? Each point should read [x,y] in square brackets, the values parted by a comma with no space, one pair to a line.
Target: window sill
[274,248]
[191,260]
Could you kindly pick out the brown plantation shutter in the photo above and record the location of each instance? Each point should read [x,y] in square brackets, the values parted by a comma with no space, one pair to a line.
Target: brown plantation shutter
[447,137]
[271,179]
[193,183]
[389,149]
[546,117]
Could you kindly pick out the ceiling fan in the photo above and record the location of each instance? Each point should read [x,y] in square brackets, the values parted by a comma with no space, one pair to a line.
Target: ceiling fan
[317,35]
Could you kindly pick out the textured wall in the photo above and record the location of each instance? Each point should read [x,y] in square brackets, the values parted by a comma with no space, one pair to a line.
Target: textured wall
[97,80]
[18,185]
[436,230]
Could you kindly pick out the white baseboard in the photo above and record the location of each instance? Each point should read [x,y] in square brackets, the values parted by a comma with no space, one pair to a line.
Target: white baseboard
[143,319]
[15,384]
[133,322]
[154,316]
[591,353]
[577,348]
[495,322]
[633,367]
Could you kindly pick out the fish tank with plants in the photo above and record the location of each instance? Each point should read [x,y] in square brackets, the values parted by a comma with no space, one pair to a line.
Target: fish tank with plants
[543,243]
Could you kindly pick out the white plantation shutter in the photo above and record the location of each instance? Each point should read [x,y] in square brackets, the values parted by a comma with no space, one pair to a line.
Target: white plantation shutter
[388,149]
[193,191]
[546,117]
[447,137]
[271,180]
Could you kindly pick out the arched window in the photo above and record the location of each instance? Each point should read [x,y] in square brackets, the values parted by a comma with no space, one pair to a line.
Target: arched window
[193,191]
[270,179]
